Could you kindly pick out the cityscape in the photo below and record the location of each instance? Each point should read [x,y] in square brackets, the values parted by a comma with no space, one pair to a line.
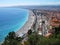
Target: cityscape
[29,22]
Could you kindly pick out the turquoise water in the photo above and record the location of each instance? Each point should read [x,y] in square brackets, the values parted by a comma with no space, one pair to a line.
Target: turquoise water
[11,19]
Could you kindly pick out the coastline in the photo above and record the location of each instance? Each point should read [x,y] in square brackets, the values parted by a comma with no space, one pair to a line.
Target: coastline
[27,25]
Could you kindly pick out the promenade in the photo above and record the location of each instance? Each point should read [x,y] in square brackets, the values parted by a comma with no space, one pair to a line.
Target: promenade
[27,25]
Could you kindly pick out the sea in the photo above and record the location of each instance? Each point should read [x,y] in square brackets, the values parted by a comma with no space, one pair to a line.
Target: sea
[11,19]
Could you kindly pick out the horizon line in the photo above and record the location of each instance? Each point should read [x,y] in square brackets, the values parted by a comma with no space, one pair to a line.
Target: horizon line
[27,5]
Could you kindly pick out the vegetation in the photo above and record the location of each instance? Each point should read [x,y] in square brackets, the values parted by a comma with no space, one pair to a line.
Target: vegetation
[29,32]
[34,39]
[11,39]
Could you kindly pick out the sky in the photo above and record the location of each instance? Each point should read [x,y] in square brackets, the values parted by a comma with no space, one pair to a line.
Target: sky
[28,2]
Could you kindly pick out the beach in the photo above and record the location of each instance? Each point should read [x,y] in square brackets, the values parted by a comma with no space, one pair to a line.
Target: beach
[27,25]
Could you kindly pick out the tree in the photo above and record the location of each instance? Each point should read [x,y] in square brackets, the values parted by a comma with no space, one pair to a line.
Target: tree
[29,32]
[11,35]
[11,39]
[57,29]
[19,38]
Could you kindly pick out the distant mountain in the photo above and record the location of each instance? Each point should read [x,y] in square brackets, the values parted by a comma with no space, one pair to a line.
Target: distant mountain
[39,7]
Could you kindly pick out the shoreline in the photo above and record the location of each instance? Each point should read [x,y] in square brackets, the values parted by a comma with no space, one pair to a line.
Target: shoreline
[24,29]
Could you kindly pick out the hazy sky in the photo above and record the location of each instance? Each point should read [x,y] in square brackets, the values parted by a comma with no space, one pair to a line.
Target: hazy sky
[28,2]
